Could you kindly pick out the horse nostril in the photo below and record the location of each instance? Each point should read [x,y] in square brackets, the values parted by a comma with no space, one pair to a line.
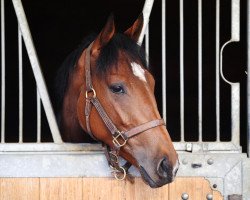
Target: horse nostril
[164,164]
[163,168]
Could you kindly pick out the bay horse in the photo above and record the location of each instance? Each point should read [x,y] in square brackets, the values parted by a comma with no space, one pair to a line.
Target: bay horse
[107,92]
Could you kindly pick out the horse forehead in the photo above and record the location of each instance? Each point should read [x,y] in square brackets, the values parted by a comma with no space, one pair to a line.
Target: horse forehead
[138,71]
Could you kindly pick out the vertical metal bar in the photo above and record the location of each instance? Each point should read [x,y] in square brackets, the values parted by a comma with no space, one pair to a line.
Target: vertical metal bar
[38,101]
[3,73]
[20,76]
[146,15]
[217,73]
[182,70]
[37,70]
[248,76]
[235,21]
[147,44]
[200,67]
[235,87]
[163,50]
[235,112]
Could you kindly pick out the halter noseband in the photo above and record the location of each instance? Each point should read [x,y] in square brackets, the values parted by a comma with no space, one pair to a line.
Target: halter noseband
[119,137]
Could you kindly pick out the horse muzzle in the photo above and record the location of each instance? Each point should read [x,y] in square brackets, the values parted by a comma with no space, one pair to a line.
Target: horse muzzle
[165,171]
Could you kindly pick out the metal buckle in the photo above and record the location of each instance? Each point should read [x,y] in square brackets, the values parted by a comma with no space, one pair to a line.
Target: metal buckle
[92,90]
[116,137]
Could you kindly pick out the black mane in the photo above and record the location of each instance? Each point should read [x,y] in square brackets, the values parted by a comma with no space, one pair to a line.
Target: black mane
[109,53]
[107,59]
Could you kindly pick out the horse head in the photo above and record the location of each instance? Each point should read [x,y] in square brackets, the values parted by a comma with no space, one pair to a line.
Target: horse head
[124,88]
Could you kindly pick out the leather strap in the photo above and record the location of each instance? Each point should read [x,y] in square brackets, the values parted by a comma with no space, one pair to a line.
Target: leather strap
[89,88]
[108,122]
[143,127]
[89,85]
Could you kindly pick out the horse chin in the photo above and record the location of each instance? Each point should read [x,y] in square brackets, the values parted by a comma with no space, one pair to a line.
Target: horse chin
[149,181]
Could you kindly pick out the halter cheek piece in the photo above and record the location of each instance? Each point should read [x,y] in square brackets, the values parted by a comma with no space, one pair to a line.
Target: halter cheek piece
[119,137]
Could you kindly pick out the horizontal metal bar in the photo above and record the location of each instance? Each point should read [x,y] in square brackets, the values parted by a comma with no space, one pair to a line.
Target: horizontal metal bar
[95,165]
[211,147]
[58,165]
[49,147]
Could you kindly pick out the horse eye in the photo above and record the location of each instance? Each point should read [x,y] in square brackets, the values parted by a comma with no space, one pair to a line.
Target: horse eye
[117,89]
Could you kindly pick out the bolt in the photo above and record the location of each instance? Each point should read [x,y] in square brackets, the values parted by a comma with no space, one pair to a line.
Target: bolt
[209,197]
[210,161]
[184,196]
[214,185]
[184,161]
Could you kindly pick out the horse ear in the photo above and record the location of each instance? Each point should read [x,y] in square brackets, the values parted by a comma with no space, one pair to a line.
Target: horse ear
[105,35]
[135,30]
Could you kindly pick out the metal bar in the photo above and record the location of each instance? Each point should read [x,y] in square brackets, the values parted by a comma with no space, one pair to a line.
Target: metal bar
[217,72]
[2,73]
[248,76]
[147,44]
[38,101]
[49,147]
[68,148]
[163,50]
[20,77]
[235,20]
[235,87]
[182,70]
[146,15]
[235,112]
[95,165]
[200,67]
[201,147]
[37,70]
[235,100]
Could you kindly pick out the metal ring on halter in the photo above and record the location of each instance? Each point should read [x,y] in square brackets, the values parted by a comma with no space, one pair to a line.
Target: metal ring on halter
[116,172]
[92,90]
[116,141]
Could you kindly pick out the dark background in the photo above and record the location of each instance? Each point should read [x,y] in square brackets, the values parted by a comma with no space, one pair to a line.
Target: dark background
[58,27]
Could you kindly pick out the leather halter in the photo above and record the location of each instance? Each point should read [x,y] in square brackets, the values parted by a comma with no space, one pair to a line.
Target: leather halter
[119,137]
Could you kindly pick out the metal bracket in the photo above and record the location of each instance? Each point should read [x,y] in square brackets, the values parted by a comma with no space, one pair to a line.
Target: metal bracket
[224,170]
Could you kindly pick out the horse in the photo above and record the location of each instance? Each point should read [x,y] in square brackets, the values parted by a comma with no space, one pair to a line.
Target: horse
[107,92]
